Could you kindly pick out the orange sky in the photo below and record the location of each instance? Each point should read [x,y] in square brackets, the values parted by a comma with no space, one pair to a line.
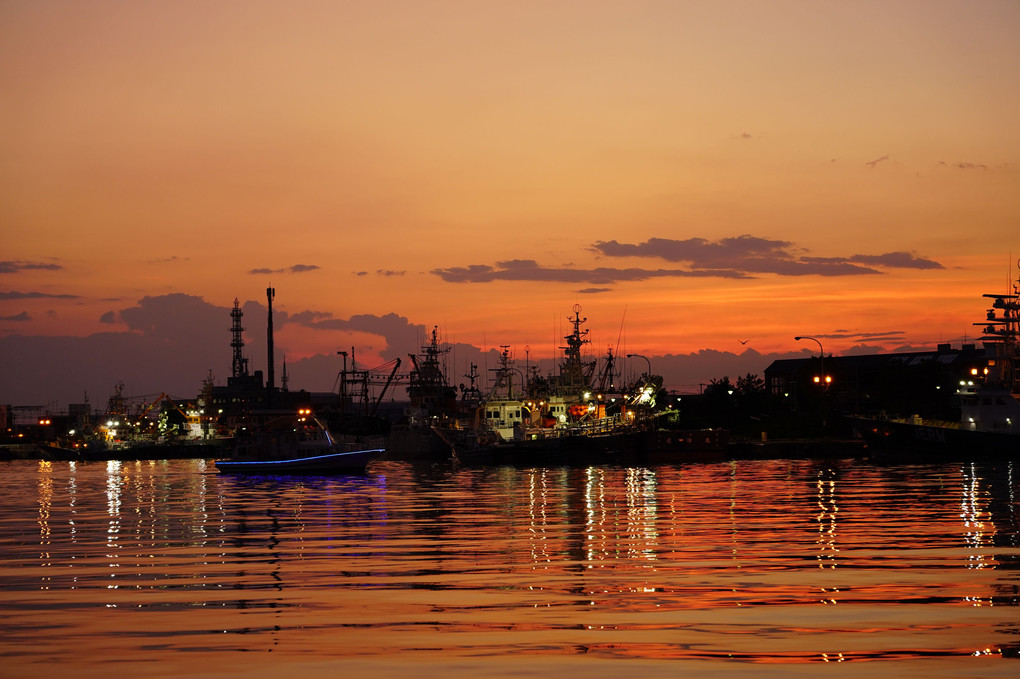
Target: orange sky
[368,153]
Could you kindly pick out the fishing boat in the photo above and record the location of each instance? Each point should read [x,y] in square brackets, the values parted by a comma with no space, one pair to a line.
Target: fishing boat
[432,405]
[294,443]
[575,416]
[989,400]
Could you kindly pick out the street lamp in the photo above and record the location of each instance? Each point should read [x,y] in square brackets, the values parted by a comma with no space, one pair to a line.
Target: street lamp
[821,353]
[646,361]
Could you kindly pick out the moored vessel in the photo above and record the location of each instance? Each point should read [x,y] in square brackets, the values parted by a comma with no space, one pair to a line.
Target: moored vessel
[294,443]
[576,416]
[989,400]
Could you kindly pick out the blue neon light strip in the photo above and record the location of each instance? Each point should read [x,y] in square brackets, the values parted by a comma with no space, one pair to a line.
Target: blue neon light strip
[306,459]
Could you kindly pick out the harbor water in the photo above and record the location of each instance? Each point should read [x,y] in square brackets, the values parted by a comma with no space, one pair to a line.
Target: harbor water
[772,567]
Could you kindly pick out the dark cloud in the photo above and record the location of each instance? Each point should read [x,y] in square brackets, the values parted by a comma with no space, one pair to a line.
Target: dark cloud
[296,268]
[876,161]
[593,291]
[401,336]
[744,254]
[737,257]
[176,317]
[388,272]
[170,345]
[18,265]
[169,260]
[23,316]
[13,294]
[701,252]
[969,166]
[901,260]
[754,255]
[307,317]
[172,342]
[529,270]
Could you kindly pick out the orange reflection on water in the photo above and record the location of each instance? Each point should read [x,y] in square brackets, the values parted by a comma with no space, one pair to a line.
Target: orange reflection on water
[693,562]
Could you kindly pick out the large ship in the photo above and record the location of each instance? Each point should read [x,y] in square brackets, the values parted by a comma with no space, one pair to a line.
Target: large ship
[989,399]
[432,405]
[576,415]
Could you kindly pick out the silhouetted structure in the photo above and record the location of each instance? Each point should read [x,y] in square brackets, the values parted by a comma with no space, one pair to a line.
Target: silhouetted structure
[271,382]
[919,382]
[239,366]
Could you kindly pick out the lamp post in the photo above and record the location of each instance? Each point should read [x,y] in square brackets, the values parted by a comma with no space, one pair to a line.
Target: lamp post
[646,361]
[824,381]
[820,351]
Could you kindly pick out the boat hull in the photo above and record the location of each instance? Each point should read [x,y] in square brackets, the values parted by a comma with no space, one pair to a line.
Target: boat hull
[893,438]
[639,447]
[353,462]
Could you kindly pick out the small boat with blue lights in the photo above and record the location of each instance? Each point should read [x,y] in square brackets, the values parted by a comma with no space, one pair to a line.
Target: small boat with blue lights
[347,462]
[289,443]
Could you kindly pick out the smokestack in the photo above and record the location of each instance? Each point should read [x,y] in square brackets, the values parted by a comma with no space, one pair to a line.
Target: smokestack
[271,382]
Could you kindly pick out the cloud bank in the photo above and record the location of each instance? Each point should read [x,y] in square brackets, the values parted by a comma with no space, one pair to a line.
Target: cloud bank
[738,257]
[20,265]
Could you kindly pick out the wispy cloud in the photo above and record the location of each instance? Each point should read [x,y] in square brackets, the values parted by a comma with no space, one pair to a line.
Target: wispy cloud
[23,316]
[14,294]
[388,272]
[296,268]
[20,265]
[169,260]
[876,161]
[970,166]
[862,336]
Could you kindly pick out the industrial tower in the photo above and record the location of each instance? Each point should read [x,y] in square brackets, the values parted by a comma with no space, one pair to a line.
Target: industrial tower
[240,365]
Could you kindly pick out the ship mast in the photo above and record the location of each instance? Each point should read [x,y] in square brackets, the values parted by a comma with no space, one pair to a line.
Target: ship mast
[575,373]
[1001,337]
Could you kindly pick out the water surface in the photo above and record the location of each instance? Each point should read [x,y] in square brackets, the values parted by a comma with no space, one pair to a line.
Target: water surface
[773,567]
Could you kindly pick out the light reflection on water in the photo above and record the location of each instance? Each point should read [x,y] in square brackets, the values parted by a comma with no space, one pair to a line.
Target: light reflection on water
[169,568]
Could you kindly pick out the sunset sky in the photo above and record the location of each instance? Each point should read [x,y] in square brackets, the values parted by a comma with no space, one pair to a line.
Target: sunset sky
[693,174]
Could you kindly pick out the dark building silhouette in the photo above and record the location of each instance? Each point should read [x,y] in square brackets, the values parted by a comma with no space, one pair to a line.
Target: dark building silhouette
[912,383]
